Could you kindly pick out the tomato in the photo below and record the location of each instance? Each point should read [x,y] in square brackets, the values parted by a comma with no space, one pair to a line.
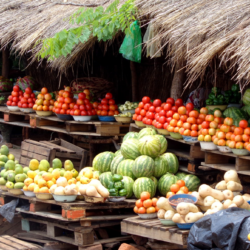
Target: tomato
[194,113]
[168,106]
[205,124]
[151,115]
[111,102]
[108,96]
[173,123]
[169,194]
[157,103]
[139,118]
[46,108]
[145,195]
[158,109]
[95,105]
[190,106]
[67,88]
[88,107]
[170,100]
[67,111]
[8,103]
[79,102]
[65,106]
[24,100]
[143,113]
[82,107]
[105,107]
[184,189]
[20,93]
[104,101]
[16,88]
[51,108]
[28,90]
[170,113]
[183,118]
[175,109]
[174,188]
[146,99]
[32,95]
[180,183]
[81,96]
[243,124]
[179,124]
[44,91]
[152,109]
[134,117]
[238,131]
[186,125]
[179,102]
[27,96]
[46,102]
[162,119]
[34,107]
[15,99]
[137,111]
[99,107]
[84,113]
[24,105]
[141,105]
[112,107]
[104,113]
[10,98]
[182,110]
[157,117]
[176,116]
[159,125]
[247,131]
[61,99]
[165,125]
[77,112]
[57,110]
[147,106]
[14,93]
[194,127]
[94,112]
[191,120]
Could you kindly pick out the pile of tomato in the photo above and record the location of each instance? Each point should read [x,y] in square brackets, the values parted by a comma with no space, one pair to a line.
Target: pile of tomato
[44,101]
[20,99]
[178,188]
[107,107]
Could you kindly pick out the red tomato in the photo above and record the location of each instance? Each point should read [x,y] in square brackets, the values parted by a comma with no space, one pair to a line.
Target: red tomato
[141,105]
[175,108]
[168,107]
[14,93]
[65,106]
[147,106]
[8,103]
[77,112]
[205,124]
[170,100]
[111,102]
[137,111]
[20,93]
[243,123]
[24,100]
[165,125]
[19,104]
[76,107]
[15,99]
[134,117]
[30,105]
[86,101]
[71,105]
[57,111]
[139,118]
[144,120]
[152,109]
[112,107]
[61,99]
[79,102]
[159,125]
[16,88]
[157,103]
[104,101]
[143,113]
[30,100]
[84,112]
[163,104]
[82,107]
[24,105]
[170,113]
[88,107]
[104,113]
[157,116]
[81,96]
[72,112]
[158,109]
[67,112]
[68,100]
[62,111]
[28,90]
[105,107]
[162,119]
[151,115]
[146,99]
[94,112]
[162,113]
[95,105]
[10,98]
[99,107]
[108,96]
[190,106]
[32,95]
[27,96]
[179,102]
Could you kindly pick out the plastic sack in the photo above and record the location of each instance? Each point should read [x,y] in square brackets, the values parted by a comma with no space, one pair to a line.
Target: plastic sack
[8,210]
[153,48]
[131,46]
[226,229]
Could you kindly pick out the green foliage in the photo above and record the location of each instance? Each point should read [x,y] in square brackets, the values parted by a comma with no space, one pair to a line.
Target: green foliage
[96,22]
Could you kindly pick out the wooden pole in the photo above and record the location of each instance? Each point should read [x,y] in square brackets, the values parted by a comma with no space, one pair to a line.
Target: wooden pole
[133,81]
[6,64]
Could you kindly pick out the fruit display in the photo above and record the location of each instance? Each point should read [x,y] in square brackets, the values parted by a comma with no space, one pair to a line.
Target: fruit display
[44,101]
[236,114]
[87,174]
[126,114]
[107,107]
[25,82]
[128,106]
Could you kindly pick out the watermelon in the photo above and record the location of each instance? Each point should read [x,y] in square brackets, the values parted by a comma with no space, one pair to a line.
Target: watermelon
[235,113]
[125,168]
[118,152]
[192,182]
[155,182]
[25,82]
[173,163]
[164,143]
[165,183]
[130,135]
[128,185]
[143,167]
[180,175]
[103,161]
[144,184]
[149,145]
[146,131]
[115,163]
[246,97]
[161,166]
[105,179]
[130,149]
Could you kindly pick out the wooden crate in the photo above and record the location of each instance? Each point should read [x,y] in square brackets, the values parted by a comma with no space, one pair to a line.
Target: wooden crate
[153,229]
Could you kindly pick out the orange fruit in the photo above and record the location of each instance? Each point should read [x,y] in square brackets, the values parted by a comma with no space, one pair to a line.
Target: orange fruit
[184,189]
[151,210]
[139,203]
[145,196]
[180,183]
[147,203]
[169,194]
[136,209]
[174,188]
[141,210]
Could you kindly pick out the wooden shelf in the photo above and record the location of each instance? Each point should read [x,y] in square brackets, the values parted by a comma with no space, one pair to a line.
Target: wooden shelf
[19,124]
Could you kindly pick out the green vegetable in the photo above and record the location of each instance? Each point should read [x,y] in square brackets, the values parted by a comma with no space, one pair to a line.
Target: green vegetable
[211,96]
[123,192]
[235,88]
[111,185]
[209,102]
[118,185]
[215,91]
[117,177]
[113,192]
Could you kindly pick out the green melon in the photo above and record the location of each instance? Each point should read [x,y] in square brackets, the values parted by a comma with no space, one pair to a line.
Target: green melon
[150,145]
[144,184]
[161,166]
[146,131]
[125,168]
[173,163]
[4,158]
[128,185]
[246,97]
[103,161]
[143,167]
[105,179]
[192,182]
[180,175]
[130,135]
[115,163]
[129,149]
[118,152]
[155,182]
[165,183]
[164,143]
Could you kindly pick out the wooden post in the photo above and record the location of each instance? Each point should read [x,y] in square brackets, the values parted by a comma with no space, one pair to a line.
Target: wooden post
[133,81]
[6,64]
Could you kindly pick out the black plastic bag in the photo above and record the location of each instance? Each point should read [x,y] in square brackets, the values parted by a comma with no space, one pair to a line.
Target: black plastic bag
[8,210]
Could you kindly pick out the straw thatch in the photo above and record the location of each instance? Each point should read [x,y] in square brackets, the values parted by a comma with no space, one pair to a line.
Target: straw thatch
[194,31]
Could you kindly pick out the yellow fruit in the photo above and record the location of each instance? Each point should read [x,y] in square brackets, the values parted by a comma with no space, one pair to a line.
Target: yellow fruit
[72,181]
[50,183]
[248,237]
[37,177]
[82,172]
[31,174]
[36,189]
[56,173]
[44,190]
[31,187]
[74,172]
[42,183]
[89,174]
[28,181]
[78,178]
[68,175]
[25,188]
[44,165]
[54,180]
[84,180]
[34,164]
[96,175]
[68,165]
[47,176]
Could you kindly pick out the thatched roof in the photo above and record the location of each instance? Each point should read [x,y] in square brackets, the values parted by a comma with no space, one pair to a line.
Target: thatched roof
[195,30]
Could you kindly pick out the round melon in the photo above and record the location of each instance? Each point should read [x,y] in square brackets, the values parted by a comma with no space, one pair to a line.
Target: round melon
[180,175]
[128,185]
[192,182]
[165,183]
[164,143]
[130,149]
[144,184]
[115,163]
[103,161]
[173,163]
[155,182]
[130,135]
[118,152]
[125,168]
[149,145]
[143,167]
[161,167]
[105,179]
[146,131]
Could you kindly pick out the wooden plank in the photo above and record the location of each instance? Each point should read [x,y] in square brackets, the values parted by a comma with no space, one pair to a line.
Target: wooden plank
[223,167]
[242,164]
[8,243]
[181,153]
[211,158]
[62,149]
[32,155]
[72,156]
[107,130]
[196,153]
[107,217]
[16,241]
[19,124]
[38,149]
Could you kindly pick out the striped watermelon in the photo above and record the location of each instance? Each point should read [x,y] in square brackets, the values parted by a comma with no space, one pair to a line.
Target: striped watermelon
[115,163]
[161,166]
[164,143]
[235,113]
[246,97]
[146,131]
[125,168]
[155,182]
[130,135]
[173,163]
[130,149]
[143,167]
[149,145]
[180,175]
[128,185]
[105,179]
[165,183]
[192,182]
[144,184]
[118,152]
[103,161]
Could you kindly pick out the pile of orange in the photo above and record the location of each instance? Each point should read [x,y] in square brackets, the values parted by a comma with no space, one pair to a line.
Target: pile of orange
[178,188]
[145,205]
[44,101]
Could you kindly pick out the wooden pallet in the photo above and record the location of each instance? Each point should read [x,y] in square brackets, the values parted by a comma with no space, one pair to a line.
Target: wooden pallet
[10,243]
[227,161]
[153,229]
